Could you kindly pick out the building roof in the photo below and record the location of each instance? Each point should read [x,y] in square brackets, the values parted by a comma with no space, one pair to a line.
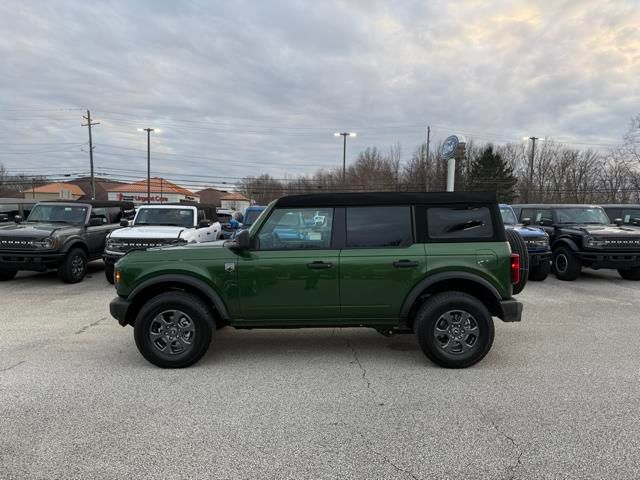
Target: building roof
[56,188]
[103,185]
[157,185]
[387,198]
[234,196]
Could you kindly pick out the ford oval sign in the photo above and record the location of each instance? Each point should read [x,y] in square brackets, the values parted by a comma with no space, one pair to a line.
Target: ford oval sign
[450,147]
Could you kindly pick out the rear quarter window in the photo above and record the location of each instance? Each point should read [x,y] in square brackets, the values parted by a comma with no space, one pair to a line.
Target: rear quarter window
[379,227]
[460,223]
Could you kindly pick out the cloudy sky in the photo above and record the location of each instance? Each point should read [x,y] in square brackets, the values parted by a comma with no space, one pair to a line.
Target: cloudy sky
[241,88]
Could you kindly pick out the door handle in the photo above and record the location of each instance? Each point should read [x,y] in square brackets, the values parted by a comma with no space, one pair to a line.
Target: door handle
[405,264]
[319,265]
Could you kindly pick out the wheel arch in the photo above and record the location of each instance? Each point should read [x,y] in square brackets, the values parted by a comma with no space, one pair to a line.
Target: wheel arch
[170,282]
[565,242]
[465,282]
[75,243]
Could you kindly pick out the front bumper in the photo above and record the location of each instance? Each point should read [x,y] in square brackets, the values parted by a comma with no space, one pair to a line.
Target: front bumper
[511,310]
[35,261]
[112,257]
[118,308]
[609,259]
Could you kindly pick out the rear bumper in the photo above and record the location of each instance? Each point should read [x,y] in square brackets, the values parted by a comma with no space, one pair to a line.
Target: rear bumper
[118,308]
[511,310]
[35,261]
[609,259]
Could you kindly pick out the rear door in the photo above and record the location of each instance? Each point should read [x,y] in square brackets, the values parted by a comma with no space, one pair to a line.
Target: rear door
[292,272]
[96,235]
[380,263]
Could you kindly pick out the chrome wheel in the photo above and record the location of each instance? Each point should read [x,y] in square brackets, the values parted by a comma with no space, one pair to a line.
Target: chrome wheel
[456,332]
[172,332]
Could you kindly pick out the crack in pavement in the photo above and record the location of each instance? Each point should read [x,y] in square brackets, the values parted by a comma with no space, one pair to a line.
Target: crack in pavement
[86,327]
[357,361]
[12,366]
[516,447]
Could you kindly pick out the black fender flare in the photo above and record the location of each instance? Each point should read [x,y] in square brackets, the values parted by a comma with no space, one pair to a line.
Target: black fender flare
[74,241]
[439,277]
[562,241]
[188,280]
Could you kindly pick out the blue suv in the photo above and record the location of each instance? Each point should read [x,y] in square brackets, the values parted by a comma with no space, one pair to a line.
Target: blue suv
[537,242]
[250,215]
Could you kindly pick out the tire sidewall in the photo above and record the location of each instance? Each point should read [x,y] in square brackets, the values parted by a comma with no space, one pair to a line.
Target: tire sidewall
[572,265]
[109,272]
[172,301]
[6,275]
[66,269]
[429,314]
[540,272]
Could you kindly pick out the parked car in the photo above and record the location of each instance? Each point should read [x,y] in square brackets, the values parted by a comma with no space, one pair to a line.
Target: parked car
[537,242]
[159,225]
[250,215]
[434,264]
[623,214]
[582,236]
[12,207]
[59,235]
[226,216]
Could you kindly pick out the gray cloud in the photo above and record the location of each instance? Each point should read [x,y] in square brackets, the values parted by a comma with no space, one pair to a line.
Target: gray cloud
[240,88]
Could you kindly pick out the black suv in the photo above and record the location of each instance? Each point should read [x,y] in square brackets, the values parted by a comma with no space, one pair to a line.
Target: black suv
[623,214]
[59,235]
[582,236]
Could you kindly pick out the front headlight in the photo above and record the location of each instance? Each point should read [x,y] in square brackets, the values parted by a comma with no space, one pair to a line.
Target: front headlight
[537,242]
[46,244]
[592,242]
[112,243]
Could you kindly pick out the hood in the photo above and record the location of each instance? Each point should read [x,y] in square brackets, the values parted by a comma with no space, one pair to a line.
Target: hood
[603,230]
[159,231]
[528,231]
[35,230]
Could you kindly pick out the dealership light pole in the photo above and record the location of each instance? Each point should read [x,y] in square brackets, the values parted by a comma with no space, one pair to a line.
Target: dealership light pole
[344,135]
[533,153]
[148,130]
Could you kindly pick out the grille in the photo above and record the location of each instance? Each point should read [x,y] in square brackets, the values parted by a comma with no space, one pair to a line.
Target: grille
[16,244]
[138,244]
[620,242]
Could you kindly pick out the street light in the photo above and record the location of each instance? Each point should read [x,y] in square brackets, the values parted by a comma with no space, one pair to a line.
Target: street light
[533,152]
[148,130]
[344,135]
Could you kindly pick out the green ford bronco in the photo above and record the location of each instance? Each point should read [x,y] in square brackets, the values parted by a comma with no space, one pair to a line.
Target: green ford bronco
[435,264]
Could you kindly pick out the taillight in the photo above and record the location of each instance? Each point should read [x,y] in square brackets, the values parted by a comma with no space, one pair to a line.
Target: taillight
[515,268]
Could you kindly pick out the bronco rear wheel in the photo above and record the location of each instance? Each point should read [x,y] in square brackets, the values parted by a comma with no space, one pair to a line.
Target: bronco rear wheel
[172,330]
[454,329]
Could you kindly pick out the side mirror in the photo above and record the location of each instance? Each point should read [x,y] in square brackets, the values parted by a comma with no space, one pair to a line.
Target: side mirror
[618,221]
[124,222]
[204,224]
[241,242]
[635,221]
[17,218]
[545,223]
[526,221]
[95,222]
[4,217]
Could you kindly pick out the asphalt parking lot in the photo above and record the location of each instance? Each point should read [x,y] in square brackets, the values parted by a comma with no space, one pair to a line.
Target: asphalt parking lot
[557,397]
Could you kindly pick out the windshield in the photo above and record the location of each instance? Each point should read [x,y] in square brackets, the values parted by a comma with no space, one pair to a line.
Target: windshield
[251,216]
[175,217]
[508,217]
[588,215]
[58,214]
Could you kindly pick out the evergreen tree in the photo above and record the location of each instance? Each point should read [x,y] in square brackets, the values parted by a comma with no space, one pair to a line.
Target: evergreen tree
[489,172]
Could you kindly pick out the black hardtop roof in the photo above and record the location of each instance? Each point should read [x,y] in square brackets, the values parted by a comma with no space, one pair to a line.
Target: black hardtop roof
[386,198]
[554,205]
[621,205]
[94,203]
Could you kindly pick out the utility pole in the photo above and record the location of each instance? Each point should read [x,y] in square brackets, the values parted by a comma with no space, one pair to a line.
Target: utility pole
[344,135]
[93,179]
[426,180]
[533,152]
[148,130]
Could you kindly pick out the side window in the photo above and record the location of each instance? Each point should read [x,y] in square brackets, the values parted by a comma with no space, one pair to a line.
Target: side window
[379,227]
[297,229]
[537,214]
[100,213]
[444,223]
[8,211]
[201,215]
[630,215]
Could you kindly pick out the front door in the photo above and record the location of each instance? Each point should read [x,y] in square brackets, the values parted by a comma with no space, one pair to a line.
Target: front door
[380,263]
[292,272]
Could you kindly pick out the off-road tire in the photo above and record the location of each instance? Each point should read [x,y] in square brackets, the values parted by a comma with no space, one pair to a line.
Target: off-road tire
[630,273]
[109,270]
[73,268]
[6,275]
[519,246]
[193,308]
[566,265]
[427,324]
[540,272]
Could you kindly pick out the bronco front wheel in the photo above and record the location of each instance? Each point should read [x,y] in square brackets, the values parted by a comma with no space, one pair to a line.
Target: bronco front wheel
[172,330]
[454,329]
